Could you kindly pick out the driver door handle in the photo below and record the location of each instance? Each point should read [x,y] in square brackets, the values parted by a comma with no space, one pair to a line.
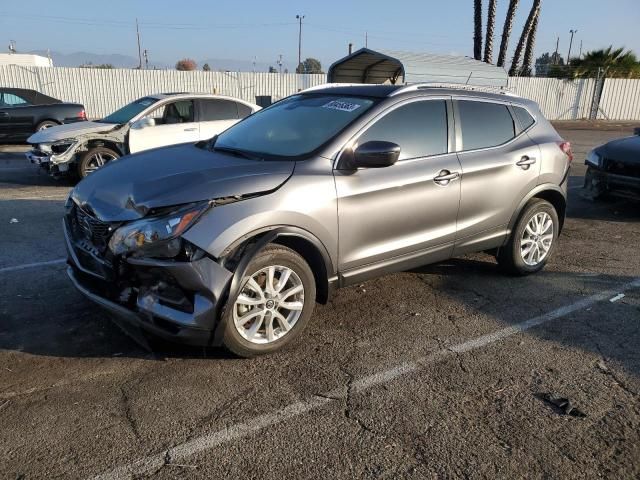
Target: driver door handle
[192,129]
[4,114]
[445,176]
[525,162]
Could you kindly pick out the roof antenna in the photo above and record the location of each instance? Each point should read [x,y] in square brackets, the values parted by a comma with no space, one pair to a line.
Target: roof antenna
[469,78]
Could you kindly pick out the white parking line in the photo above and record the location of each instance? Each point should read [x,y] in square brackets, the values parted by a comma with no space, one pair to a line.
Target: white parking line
[32,265]
[210,440]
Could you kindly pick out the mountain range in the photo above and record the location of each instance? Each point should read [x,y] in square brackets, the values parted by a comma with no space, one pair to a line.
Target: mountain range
[126,61]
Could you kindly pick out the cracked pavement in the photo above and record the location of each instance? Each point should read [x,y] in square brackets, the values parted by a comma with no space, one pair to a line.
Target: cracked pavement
[79,398]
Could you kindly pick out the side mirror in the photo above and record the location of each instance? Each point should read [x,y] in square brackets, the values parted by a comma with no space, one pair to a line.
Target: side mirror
[373,154]
[144,122]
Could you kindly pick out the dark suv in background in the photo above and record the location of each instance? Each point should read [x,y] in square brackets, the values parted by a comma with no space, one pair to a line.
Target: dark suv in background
[232,241]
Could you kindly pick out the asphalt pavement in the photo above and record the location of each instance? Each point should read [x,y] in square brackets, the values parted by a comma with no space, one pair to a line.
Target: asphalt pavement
[452,370]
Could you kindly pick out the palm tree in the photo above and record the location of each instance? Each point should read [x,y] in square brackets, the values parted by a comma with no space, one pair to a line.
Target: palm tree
[477,29]
[488,41]
[506,31]
[535,8]
[608,62]
[527,61]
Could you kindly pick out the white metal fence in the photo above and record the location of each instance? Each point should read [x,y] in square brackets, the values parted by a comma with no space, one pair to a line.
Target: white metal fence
[103,91]
[620,99]
[558,99]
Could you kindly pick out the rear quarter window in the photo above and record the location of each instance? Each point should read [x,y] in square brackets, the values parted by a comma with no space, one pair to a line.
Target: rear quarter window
[524,117]
[484,124]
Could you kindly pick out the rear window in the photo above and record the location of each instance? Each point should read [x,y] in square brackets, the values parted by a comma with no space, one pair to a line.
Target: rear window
[212,110]
[524,118]
[484,124]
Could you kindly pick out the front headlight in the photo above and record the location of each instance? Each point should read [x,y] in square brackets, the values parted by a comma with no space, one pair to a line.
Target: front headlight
[156,236]
[594,159]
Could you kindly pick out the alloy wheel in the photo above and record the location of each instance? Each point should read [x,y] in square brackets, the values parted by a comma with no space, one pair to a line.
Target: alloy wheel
[97,160]
[537,239]
[269,304]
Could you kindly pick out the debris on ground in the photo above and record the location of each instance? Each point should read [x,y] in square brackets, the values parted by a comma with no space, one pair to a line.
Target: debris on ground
[602,366]
[616,298]
[13,220]
[561,405]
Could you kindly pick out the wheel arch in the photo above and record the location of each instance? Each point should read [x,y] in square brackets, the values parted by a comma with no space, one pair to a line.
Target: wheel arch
[99,142]
[240,254]
[552,194]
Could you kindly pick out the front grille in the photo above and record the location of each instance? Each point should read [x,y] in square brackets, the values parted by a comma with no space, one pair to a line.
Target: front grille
[88,227]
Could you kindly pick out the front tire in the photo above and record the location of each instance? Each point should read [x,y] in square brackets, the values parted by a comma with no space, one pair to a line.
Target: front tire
[532,241]
[95,158]
[273,305]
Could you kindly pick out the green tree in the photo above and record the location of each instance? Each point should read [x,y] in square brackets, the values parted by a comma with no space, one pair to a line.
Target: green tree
[206,67]
[105,66]
[186,64]
[546,62]
[310,65]
[608,62]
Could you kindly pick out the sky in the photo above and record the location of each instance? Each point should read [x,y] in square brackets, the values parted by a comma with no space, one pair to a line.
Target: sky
[262,30]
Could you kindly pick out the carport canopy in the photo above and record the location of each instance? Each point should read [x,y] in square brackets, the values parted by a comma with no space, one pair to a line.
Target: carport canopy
[384,66]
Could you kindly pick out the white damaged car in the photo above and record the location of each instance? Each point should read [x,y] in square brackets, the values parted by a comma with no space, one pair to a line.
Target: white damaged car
[149,122]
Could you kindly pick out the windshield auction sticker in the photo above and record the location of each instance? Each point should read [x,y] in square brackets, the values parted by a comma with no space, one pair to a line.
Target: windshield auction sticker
[342,106]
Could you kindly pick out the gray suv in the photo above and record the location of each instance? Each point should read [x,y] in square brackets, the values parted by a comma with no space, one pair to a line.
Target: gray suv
[232,241]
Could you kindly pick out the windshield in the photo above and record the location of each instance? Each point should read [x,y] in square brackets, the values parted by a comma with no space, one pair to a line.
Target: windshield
[294,126]
[126,113]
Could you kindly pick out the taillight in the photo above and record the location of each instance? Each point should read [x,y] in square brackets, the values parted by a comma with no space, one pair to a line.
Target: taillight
[566,149]
[82,115]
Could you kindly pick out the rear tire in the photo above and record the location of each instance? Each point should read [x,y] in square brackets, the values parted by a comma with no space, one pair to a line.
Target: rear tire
[46,124]
[532,241]
[95,158]
[262,319]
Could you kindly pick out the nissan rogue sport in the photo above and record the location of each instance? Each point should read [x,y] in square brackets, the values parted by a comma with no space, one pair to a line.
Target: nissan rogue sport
[232,241]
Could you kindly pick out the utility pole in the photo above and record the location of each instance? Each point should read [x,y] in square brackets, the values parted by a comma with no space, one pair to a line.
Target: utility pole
[366,39]
[580,56]
[139,50]
[279,62]
[572,32]
[555,55]
[300,17]
[145,53]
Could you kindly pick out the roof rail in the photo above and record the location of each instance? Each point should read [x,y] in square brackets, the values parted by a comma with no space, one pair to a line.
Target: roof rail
[454,86]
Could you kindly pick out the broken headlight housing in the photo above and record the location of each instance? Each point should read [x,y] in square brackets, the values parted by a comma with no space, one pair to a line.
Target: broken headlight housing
[594,159]
[157,236]
[61,146]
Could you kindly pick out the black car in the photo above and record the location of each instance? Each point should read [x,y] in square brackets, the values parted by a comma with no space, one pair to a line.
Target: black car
[615,168]
[24,112]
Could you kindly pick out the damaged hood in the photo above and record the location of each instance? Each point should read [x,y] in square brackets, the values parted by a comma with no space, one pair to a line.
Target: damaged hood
[625,150]
[69,130]
[126,189]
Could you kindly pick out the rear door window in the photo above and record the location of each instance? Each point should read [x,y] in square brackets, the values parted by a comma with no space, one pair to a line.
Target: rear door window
[212,110]
[420,128]
[484,124]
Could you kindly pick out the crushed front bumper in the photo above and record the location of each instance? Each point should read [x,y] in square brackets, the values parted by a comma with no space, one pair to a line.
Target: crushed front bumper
[599,182]
[178,301]
[54,163]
